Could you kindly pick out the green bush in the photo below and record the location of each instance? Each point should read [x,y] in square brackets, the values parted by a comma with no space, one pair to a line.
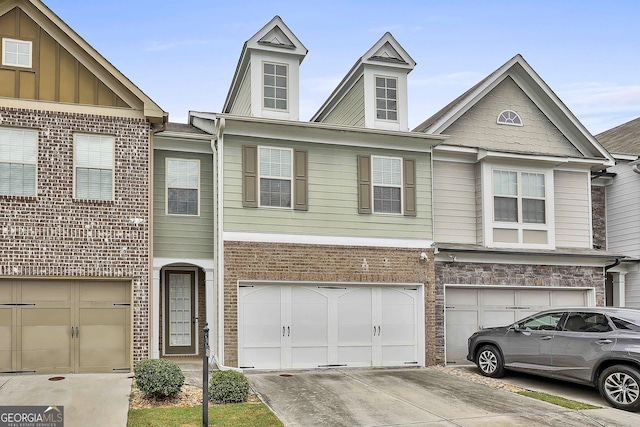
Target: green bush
[159,378]
[228,387]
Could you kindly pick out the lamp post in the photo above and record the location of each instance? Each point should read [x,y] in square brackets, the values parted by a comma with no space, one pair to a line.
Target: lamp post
[205,376]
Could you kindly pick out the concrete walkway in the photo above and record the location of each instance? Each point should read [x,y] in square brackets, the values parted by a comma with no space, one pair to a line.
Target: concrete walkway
[412,397]
[88,399]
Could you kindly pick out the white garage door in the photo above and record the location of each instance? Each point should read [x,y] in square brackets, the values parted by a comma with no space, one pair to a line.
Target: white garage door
[291,326]
[469,309]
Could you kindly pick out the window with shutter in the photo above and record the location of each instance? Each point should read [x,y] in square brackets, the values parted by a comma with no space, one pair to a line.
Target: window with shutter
[18,161]
[386,185]
[93,166]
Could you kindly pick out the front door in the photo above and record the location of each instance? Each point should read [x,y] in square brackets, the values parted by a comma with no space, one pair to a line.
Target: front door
[180,312]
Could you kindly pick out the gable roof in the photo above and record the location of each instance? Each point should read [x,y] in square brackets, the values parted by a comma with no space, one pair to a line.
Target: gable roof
[622,139]
[275,37]
[539,93]
[385,52]
[85,53]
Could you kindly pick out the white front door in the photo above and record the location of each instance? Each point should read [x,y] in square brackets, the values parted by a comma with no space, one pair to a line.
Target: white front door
[306,326]
[472,308]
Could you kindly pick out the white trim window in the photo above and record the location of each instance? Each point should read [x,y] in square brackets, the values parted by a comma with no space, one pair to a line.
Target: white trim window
[18,161]
[518,207]
[17,53]
[387,184]
[275,86]
[276,172]
[183,187]
[387,98]
[93,159]
[509,117]
[519,197]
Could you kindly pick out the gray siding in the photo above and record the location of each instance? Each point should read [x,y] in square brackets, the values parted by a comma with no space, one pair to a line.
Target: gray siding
[183,236]
[623,211]
[332,196]
[350,109]
[572,207]
[632,290]
[478,127]
[242,104]
[454,194]
[479,206]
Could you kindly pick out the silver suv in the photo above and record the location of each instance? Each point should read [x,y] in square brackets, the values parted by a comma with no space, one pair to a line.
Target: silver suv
[596,346]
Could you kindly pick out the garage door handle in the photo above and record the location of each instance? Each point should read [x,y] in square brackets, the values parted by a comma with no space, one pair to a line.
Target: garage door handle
[283,331]
[72,332]
[77,332]
[288,331]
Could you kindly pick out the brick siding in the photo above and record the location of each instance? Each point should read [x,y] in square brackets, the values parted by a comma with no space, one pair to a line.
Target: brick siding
[53,235]
[460,273]
[278,261]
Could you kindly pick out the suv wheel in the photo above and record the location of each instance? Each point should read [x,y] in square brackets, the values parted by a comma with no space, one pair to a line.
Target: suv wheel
[620,386]
[489,361]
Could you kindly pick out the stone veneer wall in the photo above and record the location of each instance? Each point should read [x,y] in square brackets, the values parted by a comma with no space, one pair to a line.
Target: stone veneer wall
[53,235]
[460,273]
[298,262]
[599,216]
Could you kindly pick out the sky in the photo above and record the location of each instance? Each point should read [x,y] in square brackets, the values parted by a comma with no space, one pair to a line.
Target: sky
[183,54]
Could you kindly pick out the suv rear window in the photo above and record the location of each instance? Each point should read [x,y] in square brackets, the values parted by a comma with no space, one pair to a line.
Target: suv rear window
[624,324]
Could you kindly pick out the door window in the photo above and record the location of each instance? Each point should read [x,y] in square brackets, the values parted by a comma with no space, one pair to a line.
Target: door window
[542,322]
[587,322]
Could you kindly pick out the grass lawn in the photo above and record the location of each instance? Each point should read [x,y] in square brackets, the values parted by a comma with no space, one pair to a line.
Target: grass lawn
[557,400]
[234,415]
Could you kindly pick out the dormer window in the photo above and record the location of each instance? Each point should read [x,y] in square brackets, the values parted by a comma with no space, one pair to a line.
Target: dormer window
[16,53]
[386,98]
[509,117]
[275,86]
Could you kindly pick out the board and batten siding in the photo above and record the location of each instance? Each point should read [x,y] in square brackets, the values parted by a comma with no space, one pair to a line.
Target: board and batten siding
[242,104]
[572,207]
[623,211]
[478,127]
[454,199]
[332,197]
[182,236]
[350,109]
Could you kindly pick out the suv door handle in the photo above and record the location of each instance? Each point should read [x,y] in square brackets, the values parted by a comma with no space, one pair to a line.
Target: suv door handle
[603,342]
[546,338]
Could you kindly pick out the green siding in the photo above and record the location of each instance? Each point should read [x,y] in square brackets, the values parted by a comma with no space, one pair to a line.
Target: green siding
[350,109]
[183,236]
[333,209]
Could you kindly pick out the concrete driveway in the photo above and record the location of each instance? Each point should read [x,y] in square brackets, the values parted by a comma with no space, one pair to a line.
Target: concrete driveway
[411,397]
[88,399]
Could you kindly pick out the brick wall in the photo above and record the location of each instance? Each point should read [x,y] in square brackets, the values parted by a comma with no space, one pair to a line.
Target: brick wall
[54,235]
[598,203]
[460,273]
[275,261]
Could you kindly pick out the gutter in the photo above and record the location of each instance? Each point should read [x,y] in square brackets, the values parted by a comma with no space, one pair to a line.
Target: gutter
[610,266]
[635,166]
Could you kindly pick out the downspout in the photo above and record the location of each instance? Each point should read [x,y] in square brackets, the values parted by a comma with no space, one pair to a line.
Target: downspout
[152,319]
[610,266]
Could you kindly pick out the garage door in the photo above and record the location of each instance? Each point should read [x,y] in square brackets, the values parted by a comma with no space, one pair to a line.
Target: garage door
[289,326]
[64,326]
[469,309]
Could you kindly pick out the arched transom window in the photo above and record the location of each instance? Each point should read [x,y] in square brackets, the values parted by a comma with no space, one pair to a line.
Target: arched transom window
[509,117]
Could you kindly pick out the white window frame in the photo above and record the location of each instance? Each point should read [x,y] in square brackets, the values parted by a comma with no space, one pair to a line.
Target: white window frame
[488,208]
[77,165]
[287,87]
[374,185]
[290,178]
[21,161]
[504,122]
[19,42]
[375,97]
[167,186]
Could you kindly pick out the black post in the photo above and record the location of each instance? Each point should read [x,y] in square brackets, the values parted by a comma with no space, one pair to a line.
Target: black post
[205,376]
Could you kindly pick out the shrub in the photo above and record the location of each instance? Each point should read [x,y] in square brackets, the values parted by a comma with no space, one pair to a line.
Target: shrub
[228,387]
[159,378]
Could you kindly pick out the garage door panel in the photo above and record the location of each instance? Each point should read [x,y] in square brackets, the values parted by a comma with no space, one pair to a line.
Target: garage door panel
[398,355]
[309,357]
[261,358]
[7,345]
[496,307]
[6,292]
[104,292]
[356,356]
[46,291]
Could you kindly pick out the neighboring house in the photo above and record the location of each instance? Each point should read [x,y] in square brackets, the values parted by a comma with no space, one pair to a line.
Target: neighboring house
[512,207]
[619,194]
[75,138]
[323,229]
